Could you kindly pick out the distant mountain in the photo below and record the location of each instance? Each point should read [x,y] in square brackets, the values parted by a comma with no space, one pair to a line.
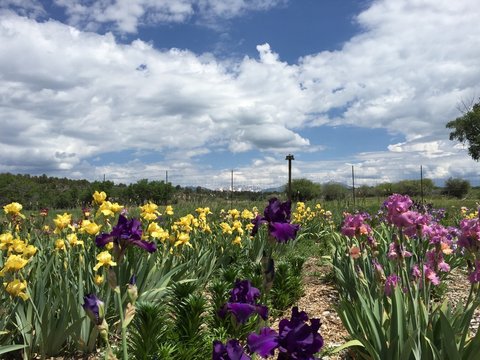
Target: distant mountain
[274,189]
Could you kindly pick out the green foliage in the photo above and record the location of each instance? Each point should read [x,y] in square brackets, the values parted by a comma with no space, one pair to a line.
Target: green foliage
[405,324]
[414,187]
[148,331]
[304,190]
[287,285]
[334,191]
[466,129]
[456,187]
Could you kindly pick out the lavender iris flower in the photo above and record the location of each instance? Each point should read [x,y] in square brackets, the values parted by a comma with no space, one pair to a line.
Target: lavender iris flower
[231,351]
[277,216]
[295,340]
[94,308]
[125,233]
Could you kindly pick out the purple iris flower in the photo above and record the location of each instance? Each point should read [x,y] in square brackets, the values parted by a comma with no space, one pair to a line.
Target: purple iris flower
[126,232]
[231,351]
[264,343]
[277,216]
[276,211]
[243,302]
[296,339]
[94,308]
[391,282]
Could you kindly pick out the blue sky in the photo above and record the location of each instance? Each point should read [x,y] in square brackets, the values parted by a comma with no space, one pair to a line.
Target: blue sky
[198,88]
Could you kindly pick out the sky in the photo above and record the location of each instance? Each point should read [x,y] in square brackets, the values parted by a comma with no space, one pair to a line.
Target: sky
[198,92]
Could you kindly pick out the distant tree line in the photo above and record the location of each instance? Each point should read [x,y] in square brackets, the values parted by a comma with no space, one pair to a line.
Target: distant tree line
[36,192]
[304,189]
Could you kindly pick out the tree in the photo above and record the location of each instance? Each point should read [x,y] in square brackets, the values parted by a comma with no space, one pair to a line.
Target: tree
[334,191]
[466,129]
[304,190]
[457,187]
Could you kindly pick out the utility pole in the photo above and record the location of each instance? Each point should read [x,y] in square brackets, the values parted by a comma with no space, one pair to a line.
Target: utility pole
[166,176]
[231,194]
[353,186]
[289,157]
[421,182]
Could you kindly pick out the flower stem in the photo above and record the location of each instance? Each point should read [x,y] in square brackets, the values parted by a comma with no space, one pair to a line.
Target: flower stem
[122,322]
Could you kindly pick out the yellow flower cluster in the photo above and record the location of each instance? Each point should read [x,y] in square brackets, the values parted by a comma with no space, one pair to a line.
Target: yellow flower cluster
[149,211]
[14,209]
[18,253]
[466,214]
[109,209]
[157,232]
[202,219]
[237,223]
[304,214]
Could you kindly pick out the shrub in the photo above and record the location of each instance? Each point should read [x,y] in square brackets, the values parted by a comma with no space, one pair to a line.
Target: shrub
[456,187]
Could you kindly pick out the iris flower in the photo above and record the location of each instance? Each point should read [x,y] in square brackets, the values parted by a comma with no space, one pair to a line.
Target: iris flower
[296,339]
[277,216]
[94,307]
[231,351]
[126,233]
[243,302]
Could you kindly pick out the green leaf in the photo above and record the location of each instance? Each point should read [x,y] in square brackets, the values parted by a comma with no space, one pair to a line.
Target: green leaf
[347,345]
[10,348]
[448,339]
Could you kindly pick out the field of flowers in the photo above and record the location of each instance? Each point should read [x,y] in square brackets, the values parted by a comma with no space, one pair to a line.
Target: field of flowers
[143,283]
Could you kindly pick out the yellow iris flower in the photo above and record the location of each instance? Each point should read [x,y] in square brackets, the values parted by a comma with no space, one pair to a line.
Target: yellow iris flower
[13,263]
[62,221]
[13,208]
[16,288]
[99,197]
[104,259]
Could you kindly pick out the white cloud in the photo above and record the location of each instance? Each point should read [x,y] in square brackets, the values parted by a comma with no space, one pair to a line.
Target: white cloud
[83,94]
[68,95]
[32,8]
[127,15]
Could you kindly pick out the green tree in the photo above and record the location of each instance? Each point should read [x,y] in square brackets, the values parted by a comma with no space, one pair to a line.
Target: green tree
[456,187]
[334,191]
[304,190]
[466,129]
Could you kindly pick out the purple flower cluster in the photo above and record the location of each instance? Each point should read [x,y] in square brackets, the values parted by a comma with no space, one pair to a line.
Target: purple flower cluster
[469,239]
[295,340]
[390,284]
[400,215]
[125,233]
[277,216]
[243,302]
[354,225]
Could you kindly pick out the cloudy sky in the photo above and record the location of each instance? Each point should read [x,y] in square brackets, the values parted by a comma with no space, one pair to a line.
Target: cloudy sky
[193,89]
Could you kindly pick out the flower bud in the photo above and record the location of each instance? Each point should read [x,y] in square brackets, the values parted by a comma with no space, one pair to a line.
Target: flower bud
[132,290]
[103,330]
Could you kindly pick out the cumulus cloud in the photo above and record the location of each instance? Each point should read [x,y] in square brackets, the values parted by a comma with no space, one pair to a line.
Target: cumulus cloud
[406,71]
[68,94]
[81,94]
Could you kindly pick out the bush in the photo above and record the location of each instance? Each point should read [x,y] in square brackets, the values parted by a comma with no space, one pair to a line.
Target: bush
[334,191]
[304,190]
[456,187]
